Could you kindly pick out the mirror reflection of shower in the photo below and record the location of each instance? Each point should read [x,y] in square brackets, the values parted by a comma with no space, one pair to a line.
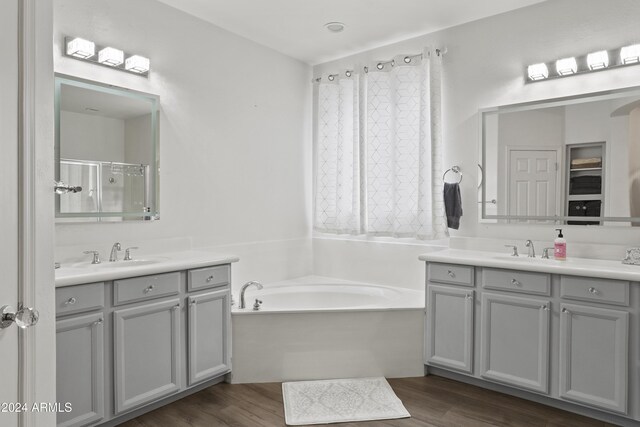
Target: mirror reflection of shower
[108,187]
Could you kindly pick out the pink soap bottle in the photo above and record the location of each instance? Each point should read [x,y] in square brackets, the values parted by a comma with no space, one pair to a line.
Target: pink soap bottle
[560,246]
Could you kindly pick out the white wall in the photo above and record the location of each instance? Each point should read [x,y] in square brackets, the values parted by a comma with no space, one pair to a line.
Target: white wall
[235,139]
[89,137]
[484,67]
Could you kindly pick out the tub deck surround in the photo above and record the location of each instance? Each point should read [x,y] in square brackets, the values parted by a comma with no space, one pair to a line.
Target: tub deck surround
[605,269]
[325,294]
[81,272]
[317,328]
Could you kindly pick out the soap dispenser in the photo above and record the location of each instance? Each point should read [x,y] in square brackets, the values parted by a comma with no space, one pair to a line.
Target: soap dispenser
[560,246]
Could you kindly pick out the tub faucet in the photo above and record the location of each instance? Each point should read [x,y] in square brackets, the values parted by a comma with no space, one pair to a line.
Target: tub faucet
[532,250]
[114,252]
[244,288]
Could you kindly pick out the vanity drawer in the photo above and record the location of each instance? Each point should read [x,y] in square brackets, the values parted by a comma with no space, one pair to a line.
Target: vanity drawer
[597,290]
[76,299]
[516,281]
[209,277]
[146,287]
[450,273]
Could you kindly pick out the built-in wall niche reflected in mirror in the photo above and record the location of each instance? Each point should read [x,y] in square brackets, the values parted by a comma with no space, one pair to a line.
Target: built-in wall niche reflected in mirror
[572,160]
[107,144]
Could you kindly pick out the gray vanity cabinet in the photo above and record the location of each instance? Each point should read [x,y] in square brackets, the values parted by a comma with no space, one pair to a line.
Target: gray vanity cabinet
[146,351]
[514,344]
[209,318]
[589,336]
[449,327]
[80,369]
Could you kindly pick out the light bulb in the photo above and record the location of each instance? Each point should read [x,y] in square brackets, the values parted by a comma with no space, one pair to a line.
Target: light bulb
[538,71]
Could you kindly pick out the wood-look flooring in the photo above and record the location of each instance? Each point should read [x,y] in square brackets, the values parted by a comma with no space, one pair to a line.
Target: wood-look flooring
[431,401]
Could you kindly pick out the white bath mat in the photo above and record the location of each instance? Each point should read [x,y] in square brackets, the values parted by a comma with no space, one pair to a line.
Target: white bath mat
[339,401]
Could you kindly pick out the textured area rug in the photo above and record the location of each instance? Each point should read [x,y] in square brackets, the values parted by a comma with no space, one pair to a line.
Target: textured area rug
[339,401]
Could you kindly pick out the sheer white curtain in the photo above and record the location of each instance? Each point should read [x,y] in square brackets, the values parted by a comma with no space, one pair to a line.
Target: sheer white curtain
[337,206]
[387,125]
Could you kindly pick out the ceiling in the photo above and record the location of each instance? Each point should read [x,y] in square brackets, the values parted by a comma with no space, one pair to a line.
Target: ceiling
[296,27]
[86,101]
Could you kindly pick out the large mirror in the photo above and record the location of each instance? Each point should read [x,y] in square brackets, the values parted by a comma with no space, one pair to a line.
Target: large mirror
[569,161]
[106,151]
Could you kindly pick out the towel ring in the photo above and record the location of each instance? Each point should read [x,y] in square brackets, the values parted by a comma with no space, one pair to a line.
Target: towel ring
[454,169]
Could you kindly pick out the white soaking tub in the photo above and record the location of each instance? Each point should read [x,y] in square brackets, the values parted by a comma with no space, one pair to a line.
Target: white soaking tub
[315,327]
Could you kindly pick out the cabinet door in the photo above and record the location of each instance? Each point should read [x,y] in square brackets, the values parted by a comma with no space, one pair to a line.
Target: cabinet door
[515,341]
[146,350]
[209,321]
[449,328]
[593,356]
[80,369]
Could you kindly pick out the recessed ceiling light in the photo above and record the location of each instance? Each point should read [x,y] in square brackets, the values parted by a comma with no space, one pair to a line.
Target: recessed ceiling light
[334,27]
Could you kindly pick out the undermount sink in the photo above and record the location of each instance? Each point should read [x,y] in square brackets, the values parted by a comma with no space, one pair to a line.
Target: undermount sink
[117,264]
[524,258]
[131,263]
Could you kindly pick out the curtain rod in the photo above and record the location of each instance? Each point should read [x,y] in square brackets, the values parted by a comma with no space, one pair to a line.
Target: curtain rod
[407,59]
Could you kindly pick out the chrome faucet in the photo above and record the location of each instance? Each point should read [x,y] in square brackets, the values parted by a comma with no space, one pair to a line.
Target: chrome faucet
[532,250]
[114,252]
[244,288]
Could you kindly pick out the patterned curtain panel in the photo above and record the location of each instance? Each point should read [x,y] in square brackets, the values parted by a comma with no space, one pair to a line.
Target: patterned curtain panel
[387,124]
[337,207]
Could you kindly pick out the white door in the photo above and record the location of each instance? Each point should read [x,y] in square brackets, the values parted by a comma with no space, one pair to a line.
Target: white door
[9,207]
[533,177]
[594,362]
[514,343]
[449,327]
[27,371]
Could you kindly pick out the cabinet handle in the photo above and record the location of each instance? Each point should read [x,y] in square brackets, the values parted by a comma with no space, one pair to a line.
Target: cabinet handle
[468,296]
[71,301]
[210,278]
[148,289]
[192,302]
[593,291]
[97,322]
[451,273]
[176,306]
[564,310]
[544,307]
[514,282]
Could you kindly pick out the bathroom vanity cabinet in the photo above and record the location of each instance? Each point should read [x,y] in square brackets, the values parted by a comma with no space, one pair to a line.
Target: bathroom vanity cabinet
[132,344]
[569,338]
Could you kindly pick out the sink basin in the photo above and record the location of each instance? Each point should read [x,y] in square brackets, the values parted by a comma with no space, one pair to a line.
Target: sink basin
[132,263]
[525,258]
[118,264]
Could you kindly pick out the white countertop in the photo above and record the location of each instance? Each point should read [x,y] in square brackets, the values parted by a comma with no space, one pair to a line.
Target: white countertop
[605,269]
[83,272]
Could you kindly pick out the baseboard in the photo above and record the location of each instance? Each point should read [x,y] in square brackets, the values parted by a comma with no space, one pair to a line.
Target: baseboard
[160,403]
[566,406]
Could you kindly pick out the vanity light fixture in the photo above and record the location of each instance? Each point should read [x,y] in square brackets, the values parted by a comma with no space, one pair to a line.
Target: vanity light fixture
[80,48]
[348,73]
[538,71]
[630,54]
[137,64]
[588,63]
[331,77]
[598,60]
[111,56]
[566,66]
[85,50]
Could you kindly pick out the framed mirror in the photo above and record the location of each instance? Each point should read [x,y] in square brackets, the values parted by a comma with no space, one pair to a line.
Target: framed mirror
[573,160]
[106,151]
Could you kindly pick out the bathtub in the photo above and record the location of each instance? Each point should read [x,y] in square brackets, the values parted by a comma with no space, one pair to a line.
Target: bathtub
[316,327]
